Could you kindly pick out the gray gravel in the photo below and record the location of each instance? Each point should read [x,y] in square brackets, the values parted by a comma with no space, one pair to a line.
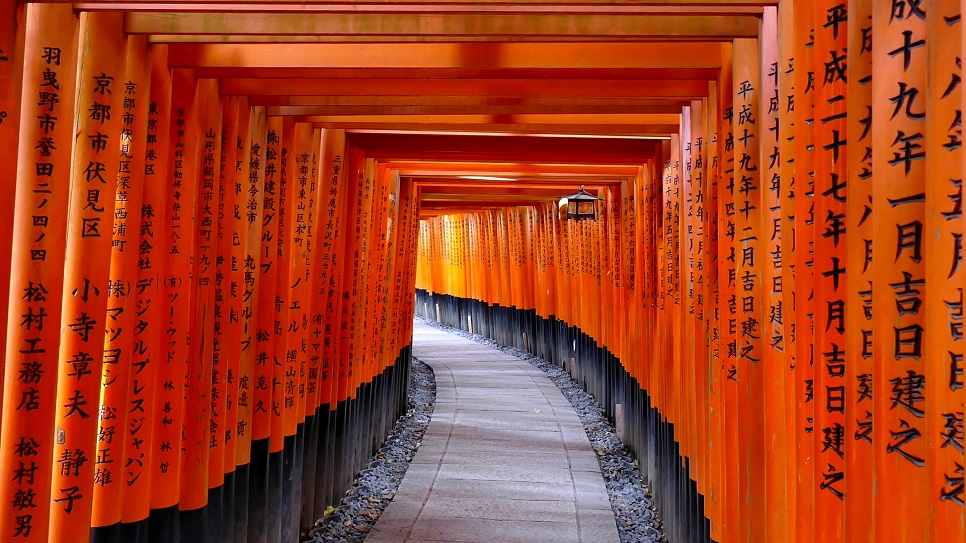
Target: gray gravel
[634,510]
[376,485]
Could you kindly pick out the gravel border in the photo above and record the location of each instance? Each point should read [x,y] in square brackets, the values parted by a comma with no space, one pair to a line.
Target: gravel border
[377,484]
[630,497]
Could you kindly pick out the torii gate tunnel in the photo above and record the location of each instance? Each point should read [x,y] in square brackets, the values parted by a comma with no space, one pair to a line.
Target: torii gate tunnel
[221,217]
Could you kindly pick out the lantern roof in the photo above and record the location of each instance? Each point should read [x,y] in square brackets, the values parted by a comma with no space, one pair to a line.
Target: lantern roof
[582,196]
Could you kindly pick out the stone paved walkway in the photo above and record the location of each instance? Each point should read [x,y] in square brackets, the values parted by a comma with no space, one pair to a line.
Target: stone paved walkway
[505,458]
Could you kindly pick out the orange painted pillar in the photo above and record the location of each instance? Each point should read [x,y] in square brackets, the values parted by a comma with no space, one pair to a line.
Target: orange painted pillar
[409,235]
[578,266]
[829,266]
[257,420]
[592,247]
[351,286]
[962,218]
[333,313]
[316,307]
[713,315]
[512,241]
[643,266]
[148,331]
[386,243]
[696,243]
[37,271]
[646,195]
[786,200]
[706,295]
[333,164]
[506,292]
[308,372]
[603,261]
[943,295]
[727,294]
[227,304]
[750,258]
[804,235]
[629,258]
[614,235]
[665,299]
[902,495]
[684,309]
[410,281]
[520,250]
[260,395]
[176,308]
[472,270]
[379,217]
[252,179]
[495,264]
[253,155]
[688,373]
[281,366]
[551,213]
[673,313]
[93,183]
[375,220]
[294,291]
[553,255]
[397,251]
[651,199]
[671,317]
[771,265]
[119,405]
[196,434]
[287,381]
[859,459]
[315,180]
[655,378]
[370,221]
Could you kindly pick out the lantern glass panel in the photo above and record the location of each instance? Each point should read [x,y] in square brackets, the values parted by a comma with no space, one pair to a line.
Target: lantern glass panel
[586,208]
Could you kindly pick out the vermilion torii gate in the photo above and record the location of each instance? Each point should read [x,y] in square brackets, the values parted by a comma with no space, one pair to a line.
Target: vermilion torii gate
[213,213]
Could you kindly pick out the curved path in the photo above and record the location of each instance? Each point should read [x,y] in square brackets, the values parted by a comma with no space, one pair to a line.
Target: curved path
[505,458]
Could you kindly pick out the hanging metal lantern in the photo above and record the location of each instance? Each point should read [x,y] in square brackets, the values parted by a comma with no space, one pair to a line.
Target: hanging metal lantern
[582,205]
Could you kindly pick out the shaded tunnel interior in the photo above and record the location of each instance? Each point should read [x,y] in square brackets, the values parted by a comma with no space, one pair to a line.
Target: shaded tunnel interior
[218,219]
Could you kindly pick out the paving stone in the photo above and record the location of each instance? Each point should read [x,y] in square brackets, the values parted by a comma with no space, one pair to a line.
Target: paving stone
[598,526]
[489,531]
[583,462]
[506,445]
[550,458]
[507,434]
[590,493]
[446,487]
[499,509]
[533,472]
